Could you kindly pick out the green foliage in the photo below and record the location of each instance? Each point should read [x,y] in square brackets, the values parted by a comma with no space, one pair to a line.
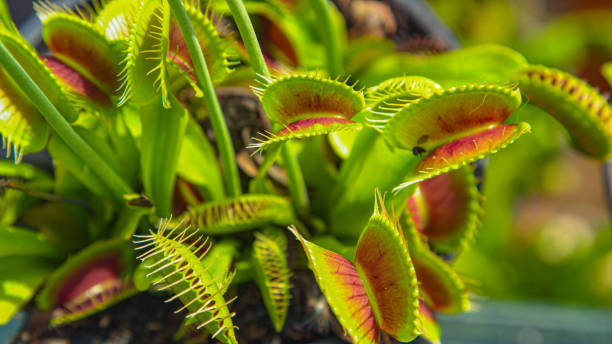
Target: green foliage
[272,274]
[124,95]
[239,213]
[176,261]
[578,106]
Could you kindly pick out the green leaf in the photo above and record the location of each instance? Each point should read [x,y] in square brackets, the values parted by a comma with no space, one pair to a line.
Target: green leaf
[67,159]
[290,98]
[81,45]
[446,209]
[127,222]
[99,141]
[567,40]
[197,162]
[22,242]
[439,285]
[12,204]
[163,129]
[344,291]
[124,144]
[363,51]
[580,108]
[272,274]
[145,75]
[176,256]
[19,279]
[89,281]
[484,63]
[23,171]
[383,263]
[375,165]
[239,214]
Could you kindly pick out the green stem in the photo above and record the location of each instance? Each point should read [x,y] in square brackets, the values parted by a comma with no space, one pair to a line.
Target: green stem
[224,143]
[331,36]
[61,127]
[247,33]
[297,185]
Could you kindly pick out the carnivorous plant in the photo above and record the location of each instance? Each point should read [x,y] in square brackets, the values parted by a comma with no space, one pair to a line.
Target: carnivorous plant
[363,156]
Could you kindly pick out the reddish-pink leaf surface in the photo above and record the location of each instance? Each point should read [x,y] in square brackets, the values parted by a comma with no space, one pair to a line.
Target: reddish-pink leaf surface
[343,290]
[472,147]
[383,262]
[85,49]
[77,82]
[305,124]
[96,272]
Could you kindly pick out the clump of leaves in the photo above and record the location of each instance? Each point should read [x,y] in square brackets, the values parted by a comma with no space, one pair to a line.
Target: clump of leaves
[119,102]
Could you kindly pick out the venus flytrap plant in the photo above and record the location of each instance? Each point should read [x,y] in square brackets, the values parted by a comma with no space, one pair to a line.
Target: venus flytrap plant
[239,214]
[176,261]
[455,135]
[575,104]
[440,286]
[445,210]
[273,273]
[378,290]
[128,150]
[90,281]
[307,105]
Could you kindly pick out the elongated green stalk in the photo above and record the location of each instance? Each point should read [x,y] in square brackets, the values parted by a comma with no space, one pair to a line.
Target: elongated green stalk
[224,142]
[61,127]
[297,186]
[331,36]
[247,32]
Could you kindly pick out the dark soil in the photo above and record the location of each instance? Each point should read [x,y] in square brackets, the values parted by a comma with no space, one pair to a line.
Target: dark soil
[145,318]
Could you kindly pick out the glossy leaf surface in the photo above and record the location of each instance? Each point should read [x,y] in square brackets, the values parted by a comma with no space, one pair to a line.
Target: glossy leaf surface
[344,291]
[293,97]
[239,214]
[580,108]
[384,265]
[272,274]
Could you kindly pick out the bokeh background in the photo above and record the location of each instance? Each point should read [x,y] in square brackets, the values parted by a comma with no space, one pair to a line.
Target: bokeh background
[546,228]
[546,238]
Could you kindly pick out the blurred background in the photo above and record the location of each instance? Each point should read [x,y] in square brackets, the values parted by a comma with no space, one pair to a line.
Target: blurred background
[546,229]
[546,237]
